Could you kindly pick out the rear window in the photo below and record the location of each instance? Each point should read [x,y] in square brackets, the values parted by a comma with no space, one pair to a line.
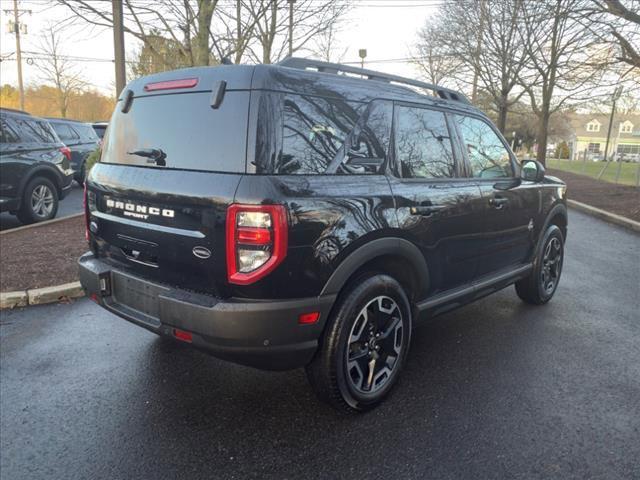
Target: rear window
[185,128]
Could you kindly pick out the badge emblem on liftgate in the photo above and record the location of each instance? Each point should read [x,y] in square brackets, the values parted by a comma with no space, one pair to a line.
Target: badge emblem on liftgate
[201,252]
[530,227]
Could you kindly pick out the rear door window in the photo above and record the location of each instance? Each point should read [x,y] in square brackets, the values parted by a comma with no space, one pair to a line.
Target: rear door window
[35,131]
[65,132]
[423,144]
[7,135]
[184,128]
[314,130]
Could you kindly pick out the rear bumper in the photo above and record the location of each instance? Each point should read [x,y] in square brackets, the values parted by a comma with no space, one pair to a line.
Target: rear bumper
[261,334]
[66,185]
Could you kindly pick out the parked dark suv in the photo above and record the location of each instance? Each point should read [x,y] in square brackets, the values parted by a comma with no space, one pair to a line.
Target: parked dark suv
[308,214]
[34,167]
[81,139]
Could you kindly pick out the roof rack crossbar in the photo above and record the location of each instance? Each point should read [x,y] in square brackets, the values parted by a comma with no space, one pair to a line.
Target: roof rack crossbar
[335,68]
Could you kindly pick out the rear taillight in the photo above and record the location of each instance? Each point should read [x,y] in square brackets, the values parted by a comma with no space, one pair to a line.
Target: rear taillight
[66,151]
[257,238]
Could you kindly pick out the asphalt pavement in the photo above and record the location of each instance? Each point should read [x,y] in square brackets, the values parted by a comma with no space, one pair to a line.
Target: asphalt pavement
[71,204]
[497,389]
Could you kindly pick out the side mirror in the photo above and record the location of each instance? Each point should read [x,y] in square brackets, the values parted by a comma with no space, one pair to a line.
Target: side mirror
[532,171]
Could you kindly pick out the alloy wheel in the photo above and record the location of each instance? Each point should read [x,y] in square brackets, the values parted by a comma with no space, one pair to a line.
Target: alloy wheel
[42,201]
[551,265]
[375,345]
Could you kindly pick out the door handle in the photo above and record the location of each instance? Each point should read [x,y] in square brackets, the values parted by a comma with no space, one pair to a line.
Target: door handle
[498,202]
[426,211]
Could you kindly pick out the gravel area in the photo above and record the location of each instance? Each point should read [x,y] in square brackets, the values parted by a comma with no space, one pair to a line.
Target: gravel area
[41,256]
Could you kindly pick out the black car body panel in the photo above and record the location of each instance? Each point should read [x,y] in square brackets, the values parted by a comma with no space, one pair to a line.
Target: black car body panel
[349,161]
[29,148]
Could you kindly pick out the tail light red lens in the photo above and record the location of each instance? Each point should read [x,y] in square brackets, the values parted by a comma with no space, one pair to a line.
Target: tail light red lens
[66,151]
[257,237]
[183,335]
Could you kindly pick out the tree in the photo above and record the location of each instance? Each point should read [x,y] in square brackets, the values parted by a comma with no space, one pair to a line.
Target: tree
[204,32]
[310,20]
[622,23]
[436,64]
[483,38]
[560,60]
[326,45]
[57,69]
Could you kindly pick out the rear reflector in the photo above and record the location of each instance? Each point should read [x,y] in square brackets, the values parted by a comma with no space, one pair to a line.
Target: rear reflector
[308,318]
[94,298]
[182,335]
[171,84]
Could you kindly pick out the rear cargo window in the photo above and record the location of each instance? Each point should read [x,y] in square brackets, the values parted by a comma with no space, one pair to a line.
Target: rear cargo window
[183,129]
[314,129]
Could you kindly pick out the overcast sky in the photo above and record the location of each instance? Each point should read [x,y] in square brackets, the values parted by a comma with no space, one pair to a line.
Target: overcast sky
[386,28]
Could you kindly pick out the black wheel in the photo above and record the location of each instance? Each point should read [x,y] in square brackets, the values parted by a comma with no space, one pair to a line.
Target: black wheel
[365,345]
[39,201]
[538,288]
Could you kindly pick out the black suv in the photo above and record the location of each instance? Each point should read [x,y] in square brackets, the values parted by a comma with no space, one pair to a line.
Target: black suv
[81,139]
[308,214]
[34,167]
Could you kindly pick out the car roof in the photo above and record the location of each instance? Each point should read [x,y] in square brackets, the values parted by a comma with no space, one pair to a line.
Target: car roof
[14,110]
[295,79]
[66,120]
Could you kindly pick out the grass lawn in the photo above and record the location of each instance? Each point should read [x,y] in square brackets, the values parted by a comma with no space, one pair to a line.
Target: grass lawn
[628,172]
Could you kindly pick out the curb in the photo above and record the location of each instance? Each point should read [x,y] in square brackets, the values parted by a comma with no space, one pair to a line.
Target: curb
[40,224]
[604,215]
[40,296]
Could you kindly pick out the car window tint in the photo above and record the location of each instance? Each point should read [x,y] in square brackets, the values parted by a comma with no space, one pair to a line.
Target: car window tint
[314,129]
[423,144]
[370,137]
[6,134]
[488,157]
[86,132]
[36,131]
[64,131]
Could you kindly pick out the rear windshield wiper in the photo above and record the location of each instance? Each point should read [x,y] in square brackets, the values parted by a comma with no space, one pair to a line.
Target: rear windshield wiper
[154,155]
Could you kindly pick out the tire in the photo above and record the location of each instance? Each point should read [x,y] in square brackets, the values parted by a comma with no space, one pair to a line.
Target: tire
[39,201]
[376,344]
[541,284]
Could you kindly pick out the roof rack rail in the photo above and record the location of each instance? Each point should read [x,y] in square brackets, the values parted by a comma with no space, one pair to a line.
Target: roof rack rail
[327,67]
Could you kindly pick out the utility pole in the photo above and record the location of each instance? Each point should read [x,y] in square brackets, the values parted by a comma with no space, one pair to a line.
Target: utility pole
[616,96]
[118,44]
[16,26]
[291,2]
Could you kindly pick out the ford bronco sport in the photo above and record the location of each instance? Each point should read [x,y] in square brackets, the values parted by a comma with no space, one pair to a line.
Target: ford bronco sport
[307,214]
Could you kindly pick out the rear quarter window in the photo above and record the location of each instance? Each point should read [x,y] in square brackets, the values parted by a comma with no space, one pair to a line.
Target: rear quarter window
[314,130]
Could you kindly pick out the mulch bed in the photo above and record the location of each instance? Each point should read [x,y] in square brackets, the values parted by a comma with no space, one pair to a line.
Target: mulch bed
[619,199]
[41,256]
